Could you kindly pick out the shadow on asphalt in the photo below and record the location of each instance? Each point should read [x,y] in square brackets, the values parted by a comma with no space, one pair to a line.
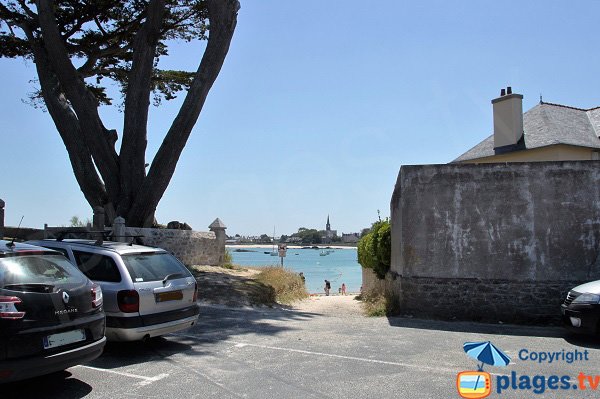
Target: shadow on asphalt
[480,328]
[584,341]
[119,354]
[216,323]
[55,385]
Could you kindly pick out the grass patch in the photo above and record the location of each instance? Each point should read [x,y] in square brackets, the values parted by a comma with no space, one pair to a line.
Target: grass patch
[378,304]
[231,266]
[286,284]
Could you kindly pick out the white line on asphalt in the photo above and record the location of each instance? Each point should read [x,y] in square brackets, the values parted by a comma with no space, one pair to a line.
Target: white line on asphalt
[145,380]
[304,352]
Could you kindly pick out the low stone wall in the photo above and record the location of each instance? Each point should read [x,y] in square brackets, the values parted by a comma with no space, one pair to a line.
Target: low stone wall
[488,300]
[190,247]
[370,282]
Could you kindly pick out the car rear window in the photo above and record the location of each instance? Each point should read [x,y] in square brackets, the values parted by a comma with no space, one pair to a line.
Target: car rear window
[97,267]
[38,269]
[153,266]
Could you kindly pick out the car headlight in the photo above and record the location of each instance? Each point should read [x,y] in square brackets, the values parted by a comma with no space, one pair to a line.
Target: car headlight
[587,298]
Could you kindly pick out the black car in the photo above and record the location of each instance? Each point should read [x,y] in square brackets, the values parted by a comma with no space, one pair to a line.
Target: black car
[51,315]
[581,308]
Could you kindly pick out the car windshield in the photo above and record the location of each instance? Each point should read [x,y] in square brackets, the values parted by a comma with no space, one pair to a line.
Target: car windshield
[153,266]
[38,269]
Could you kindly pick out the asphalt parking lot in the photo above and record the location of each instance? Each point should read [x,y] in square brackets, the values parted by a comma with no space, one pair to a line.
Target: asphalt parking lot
[279,353]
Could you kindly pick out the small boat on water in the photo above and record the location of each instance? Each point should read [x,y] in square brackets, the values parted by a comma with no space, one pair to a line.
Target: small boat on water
[325,253]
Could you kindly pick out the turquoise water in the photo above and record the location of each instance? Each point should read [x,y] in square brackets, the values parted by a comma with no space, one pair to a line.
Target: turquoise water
[340,266]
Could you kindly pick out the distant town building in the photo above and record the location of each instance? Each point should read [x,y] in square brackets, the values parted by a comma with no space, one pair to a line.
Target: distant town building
[329,234]
[350,238]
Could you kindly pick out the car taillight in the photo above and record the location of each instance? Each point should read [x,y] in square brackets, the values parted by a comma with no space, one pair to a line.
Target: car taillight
[195,292]
[129,301]
[8,310]
[96,296]
[4,374]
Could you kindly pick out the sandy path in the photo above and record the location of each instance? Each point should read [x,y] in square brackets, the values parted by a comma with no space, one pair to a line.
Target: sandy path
[336,305]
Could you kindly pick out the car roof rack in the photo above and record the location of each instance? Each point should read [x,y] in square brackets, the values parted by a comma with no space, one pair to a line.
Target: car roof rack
[64,233]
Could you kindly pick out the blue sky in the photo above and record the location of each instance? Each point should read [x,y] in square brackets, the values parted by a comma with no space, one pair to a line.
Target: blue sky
[318,105]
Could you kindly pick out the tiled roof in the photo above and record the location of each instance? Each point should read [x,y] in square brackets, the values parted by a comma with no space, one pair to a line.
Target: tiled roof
[549,124]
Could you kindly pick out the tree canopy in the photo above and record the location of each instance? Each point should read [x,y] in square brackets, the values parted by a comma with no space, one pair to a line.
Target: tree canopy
[81,47]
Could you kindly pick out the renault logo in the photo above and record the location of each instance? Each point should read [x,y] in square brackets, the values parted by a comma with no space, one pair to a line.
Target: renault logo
[65,297]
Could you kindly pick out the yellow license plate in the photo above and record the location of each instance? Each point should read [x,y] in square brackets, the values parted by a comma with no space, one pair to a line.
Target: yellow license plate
[169,296]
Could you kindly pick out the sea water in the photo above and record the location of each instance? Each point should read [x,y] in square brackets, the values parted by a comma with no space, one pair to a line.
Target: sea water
[339,266]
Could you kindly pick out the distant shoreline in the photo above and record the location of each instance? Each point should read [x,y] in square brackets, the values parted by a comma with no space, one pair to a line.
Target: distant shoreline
[320,246]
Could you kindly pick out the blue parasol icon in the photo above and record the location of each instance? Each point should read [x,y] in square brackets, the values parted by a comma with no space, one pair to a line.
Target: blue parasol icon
[486,353]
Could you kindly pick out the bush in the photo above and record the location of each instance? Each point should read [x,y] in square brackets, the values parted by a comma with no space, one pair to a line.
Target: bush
[374,249]
[377,304]
[287,284]
[227,260]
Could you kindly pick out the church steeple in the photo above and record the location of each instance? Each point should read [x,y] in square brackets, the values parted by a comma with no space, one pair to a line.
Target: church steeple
[327,226]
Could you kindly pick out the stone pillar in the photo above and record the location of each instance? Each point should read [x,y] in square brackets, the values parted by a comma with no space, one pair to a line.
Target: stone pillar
[218,227]
[1,219]
[119,229]
[98,223]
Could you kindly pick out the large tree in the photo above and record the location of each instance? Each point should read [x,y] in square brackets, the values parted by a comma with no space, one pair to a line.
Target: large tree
[82,47]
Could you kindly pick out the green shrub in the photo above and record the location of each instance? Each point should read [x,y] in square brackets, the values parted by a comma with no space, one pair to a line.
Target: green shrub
[227,260]
[377,304]
[287,284]
[374,249]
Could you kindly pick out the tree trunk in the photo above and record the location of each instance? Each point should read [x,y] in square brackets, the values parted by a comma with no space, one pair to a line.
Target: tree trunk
[132,157]
[118,182]
[223,19]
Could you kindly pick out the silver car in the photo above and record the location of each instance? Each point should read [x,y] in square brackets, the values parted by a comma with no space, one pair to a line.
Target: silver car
[147,291]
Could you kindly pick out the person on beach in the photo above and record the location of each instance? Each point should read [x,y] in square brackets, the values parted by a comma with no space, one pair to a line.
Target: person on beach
[303,278]
[327,287]
[343,288]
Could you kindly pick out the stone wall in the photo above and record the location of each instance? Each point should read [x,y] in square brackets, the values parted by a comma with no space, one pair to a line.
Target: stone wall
[494,241]
[190,247]
[371,282]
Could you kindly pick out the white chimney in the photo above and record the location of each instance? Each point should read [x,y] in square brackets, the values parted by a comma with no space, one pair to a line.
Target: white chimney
[508,118]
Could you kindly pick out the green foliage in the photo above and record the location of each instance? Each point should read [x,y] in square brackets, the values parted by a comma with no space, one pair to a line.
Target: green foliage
[265,239]
[227,260]
[309,236]
[377,304]
[100,34]
[76,222]
[374,249]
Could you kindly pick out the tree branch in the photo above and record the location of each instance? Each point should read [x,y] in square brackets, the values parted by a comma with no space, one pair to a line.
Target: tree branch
[223,19]
[68,127]
[83,102]
[133,147]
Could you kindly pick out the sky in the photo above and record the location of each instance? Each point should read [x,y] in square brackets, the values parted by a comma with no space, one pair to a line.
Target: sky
[318,105]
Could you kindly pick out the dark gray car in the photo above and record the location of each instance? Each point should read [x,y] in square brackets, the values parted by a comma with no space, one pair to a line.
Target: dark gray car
[581,308]
[51,314]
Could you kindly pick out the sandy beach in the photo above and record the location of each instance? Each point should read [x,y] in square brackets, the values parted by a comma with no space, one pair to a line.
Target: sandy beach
[321,246]
[334,305]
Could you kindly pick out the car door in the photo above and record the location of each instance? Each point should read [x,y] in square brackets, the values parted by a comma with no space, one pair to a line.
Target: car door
[103,270]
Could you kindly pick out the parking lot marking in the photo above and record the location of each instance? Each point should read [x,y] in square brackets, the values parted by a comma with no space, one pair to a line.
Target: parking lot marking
[145,380]
[305,352]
